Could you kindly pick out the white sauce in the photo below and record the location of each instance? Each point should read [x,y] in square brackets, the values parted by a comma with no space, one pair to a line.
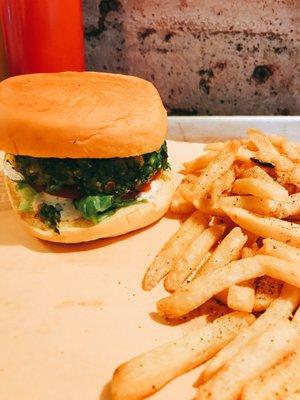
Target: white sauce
[151,195]
[68,213]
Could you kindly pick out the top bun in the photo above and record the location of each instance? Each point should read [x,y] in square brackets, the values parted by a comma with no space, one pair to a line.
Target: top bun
[80,115]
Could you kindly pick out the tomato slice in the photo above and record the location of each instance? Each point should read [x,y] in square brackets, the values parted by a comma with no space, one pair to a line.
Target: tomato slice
[69,193]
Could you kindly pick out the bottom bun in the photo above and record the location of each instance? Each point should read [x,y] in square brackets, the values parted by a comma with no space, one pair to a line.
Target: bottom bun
[125,220]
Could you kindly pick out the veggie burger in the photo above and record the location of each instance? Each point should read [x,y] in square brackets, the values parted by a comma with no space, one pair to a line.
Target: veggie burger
[86,156]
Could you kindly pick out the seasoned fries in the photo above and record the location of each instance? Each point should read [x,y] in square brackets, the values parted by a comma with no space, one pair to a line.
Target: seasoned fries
[295,396]
[290,207]
[268,152]
[261,353]
[179,204]
[265,227]
[174,248]
[228,250]
[258,173]
[193,256]
[240,248]
[274,248]
[267,290]
[251,203]
[149,372]
[202,288]
[281,308]
[241,298]
[260,188]
[214,170]
[278,382]
[221,185]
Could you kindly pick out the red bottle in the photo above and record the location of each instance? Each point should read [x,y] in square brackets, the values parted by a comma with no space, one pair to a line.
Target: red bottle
[43,35]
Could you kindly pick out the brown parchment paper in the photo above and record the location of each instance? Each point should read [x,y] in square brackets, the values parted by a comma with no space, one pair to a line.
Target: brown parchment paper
[69,314]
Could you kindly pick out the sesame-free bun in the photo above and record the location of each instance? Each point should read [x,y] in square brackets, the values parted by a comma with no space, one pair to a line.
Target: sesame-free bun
[125,220]
[80,115]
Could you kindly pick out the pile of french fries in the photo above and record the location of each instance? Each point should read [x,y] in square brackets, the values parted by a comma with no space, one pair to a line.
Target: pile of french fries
[240,249]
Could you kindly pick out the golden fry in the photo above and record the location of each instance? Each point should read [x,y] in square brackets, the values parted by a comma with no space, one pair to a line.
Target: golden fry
[274,228]
[290,207]
[202,288]
[174,248]
[267,152]
[267,290]
[214,170]
[278,382]
[241,298]
[260,354]
[281,308]
[258,173]
[149,372]
[228,250]
[251,203]
[192,257]
[260,188]
[274,248]
[221,185]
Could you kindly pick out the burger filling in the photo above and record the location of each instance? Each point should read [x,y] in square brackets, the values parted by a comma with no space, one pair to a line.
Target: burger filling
[56,189]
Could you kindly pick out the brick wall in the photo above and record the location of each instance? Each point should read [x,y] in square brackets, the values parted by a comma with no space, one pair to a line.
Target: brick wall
[205,57]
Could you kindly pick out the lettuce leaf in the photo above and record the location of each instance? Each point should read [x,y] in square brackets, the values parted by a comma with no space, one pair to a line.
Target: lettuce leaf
[96,208]
[28,194]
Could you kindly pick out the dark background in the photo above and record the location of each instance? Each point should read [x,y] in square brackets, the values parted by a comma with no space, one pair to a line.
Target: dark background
[230,57]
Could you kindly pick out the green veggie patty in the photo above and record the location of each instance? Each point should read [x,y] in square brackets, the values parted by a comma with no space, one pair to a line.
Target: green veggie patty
[91,176]
[102,185]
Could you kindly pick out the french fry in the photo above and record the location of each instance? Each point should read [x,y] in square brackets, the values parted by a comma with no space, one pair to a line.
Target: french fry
[274,228]
[296,317]
[291,177]
[277,140]
[192,256]
[241,298]
[290,207]
[281,308]
[201,263]
[295,396]
[291,151]
[267,290]
[251,203]
[278,382]
[200,162]
[283,270]
[174,248]
[257,173]
[244,154]
[260,188]
[228,250]
[179,205]
[214,170]
[222,184]
[274,248]
[253,183]
[247,252]
[268,152]
[261,353]
[202,288]
[149,372]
